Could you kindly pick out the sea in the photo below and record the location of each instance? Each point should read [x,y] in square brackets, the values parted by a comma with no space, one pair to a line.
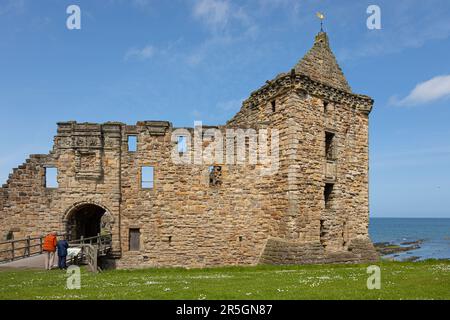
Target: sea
[434,234]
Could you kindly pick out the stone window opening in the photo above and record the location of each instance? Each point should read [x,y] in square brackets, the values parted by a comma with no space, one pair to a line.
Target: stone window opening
[51,178]
[182,144]
[344,234]
[215,176]
[241,238]
[328,195]
[274,105]
[323,233]
[330,148]
[170,240]
[132,143]
[147,177]
[10,236]
[325,106]
[135,239]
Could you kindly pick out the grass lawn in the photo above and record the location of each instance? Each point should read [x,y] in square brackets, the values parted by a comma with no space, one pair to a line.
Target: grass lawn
[399,280]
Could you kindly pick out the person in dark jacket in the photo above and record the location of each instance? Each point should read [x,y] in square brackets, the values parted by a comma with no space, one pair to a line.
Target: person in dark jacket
[62,246]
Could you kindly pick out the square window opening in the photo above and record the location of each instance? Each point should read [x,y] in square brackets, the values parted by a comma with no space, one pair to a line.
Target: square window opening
[182,144]
[147,177]
[51,178]
[132,143]
[215,176]
[135,239]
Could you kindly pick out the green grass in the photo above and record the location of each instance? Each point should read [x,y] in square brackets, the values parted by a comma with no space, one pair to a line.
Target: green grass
[399,280]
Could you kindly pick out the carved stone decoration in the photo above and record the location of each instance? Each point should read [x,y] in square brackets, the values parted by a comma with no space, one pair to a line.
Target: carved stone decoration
[87,142]
[89,165]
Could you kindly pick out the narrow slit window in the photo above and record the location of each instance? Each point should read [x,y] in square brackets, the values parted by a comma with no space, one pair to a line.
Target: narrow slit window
[323,233]
[51,178]
[274,106]
[325,107]
[330,146]
[328,192]
[147,177]
[135,239]
[182,144]
[132,143]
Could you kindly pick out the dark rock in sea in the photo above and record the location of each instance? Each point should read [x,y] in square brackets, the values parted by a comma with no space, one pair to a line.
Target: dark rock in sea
[411,259]
[386,248]
[410,243]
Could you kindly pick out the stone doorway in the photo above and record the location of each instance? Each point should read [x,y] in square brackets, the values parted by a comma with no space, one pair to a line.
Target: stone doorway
[88,220]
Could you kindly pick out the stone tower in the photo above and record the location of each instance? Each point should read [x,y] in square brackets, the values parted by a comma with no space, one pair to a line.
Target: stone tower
[324,159]
[314,208]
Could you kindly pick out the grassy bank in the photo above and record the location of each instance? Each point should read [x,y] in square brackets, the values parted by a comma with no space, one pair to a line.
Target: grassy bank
[399,280]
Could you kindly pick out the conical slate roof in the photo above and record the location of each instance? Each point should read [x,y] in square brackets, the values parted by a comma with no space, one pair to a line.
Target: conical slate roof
[320,65]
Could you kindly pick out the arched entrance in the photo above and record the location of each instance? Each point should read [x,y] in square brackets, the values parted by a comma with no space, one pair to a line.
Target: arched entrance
[87,220]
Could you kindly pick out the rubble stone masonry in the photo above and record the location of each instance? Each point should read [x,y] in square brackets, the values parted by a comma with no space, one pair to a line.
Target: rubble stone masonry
[314,208]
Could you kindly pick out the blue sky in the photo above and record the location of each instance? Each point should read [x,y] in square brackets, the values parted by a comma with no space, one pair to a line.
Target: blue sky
[187,60]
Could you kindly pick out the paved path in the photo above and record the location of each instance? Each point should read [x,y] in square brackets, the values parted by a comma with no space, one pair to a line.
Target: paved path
[36,262]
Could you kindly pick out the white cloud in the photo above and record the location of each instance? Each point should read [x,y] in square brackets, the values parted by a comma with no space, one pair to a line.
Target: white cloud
[429,91]
[215,13]
[144,53]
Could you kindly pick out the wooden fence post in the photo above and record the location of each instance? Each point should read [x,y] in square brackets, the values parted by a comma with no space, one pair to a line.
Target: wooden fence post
[40,246]
[28,248]
[12,251]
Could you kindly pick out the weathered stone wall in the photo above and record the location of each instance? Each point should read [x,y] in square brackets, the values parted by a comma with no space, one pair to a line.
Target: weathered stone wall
[184,221]
[248,217]
[304,117]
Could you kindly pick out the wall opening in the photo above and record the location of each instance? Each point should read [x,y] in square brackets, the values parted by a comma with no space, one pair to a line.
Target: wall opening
[132,143]
[147,177]
[344,234]
[274,105]
[51,178]
[10,236]
[330,151]
[323,233]
[86,221]
[182,144]
[325,107]
[328,195]
[135,239]
[215,176]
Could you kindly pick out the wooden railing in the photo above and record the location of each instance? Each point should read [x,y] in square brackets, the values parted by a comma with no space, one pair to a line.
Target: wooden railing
[91,248]
[12,250]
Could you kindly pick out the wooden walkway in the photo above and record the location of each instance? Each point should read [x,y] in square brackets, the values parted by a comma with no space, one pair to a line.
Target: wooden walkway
[28,252]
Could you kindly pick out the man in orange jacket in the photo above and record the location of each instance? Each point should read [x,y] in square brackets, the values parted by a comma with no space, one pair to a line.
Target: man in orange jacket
[49,249]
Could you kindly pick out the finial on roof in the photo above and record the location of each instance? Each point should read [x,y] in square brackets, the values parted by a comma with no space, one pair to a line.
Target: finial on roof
[321,16]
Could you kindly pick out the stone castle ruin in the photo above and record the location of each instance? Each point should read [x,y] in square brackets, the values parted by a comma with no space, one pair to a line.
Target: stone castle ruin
[311,205]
